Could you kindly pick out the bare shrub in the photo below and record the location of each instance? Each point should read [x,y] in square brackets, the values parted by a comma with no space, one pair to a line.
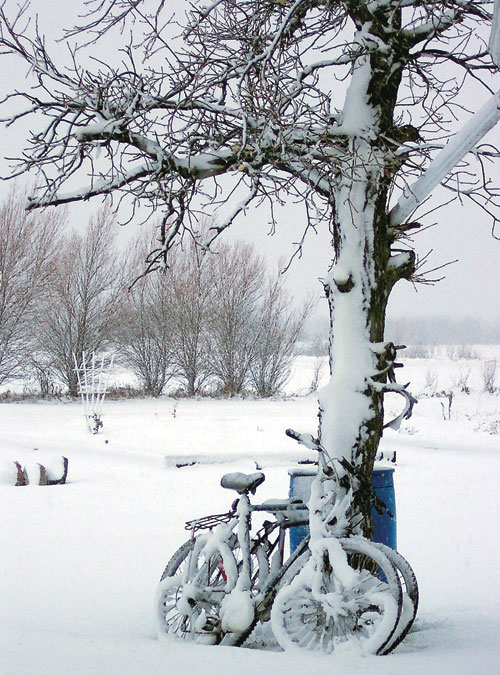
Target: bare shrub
[431,379]
[238,288]
[461,381]
[190,276]
[43,374]
[318,369]
[164,321]
[489,374]
[144,337]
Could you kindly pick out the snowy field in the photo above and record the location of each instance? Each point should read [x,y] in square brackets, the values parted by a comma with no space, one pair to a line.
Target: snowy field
[80,562]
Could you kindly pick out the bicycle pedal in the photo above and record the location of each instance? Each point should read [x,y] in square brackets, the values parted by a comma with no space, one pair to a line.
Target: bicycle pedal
[211,624]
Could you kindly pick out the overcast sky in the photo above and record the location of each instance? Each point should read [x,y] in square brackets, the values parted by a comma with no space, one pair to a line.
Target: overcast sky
[471,287]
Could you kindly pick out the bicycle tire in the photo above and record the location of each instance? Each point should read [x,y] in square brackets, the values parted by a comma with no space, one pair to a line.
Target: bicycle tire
[185,622]
[409,586]
[177,559]
[263,608]
[316,611]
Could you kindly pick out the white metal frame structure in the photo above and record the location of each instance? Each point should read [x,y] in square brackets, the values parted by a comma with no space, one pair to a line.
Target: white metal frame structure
[93,374]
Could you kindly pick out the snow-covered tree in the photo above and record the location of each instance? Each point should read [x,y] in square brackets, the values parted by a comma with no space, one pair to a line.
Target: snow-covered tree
[145,334]
[279,325]
[28,249]
[190,278]
[338,104]
[238,285]
[79,309]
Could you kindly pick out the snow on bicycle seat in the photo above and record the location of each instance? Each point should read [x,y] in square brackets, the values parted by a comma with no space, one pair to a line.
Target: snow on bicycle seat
[242,482]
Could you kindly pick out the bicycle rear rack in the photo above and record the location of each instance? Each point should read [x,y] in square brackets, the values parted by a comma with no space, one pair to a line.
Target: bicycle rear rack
[208,522]
[292,508]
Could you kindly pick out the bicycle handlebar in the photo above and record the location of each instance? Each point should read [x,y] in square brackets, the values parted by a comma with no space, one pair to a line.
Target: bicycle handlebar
[305,439]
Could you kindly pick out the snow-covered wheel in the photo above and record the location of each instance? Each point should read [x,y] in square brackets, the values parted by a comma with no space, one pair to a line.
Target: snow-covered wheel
[192,589]
[188,598]
[409,587]
[340,604]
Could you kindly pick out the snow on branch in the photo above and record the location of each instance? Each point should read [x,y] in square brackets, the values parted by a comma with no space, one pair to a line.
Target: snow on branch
[97,188]
[239,208]
[249,75]
[436,23]
[432,19]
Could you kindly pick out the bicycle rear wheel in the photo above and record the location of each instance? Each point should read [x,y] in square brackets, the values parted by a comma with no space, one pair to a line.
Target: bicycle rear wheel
[318,610]
[188,599]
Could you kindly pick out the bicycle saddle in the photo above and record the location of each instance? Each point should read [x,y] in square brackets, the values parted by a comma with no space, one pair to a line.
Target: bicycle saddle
[242,482]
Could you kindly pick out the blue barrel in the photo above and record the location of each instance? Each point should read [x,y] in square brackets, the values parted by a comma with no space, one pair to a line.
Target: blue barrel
[384,524]
[300,486]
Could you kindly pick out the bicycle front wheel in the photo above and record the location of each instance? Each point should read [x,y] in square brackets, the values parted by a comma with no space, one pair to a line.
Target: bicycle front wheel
[324,609]
[409,587]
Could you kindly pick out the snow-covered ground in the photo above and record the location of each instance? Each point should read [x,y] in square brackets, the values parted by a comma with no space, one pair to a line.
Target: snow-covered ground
[79,562]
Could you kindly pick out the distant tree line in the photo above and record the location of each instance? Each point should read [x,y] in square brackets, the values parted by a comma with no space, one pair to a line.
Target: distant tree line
[417,331]
[215,322]
[435,330]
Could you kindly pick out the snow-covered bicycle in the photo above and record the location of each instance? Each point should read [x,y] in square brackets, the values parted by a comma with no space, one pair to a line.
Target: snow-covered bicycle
[331,593]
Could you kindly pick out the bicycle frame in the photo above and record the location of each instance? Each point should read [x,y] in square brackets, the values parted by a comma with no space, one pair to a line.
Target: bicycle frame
[237,576]
[238,521]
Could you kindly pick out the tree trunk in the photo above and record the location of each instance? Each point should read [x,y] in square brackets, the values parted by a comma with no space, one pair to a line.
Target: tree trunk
[72,383]
[357,288]
[351,409]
